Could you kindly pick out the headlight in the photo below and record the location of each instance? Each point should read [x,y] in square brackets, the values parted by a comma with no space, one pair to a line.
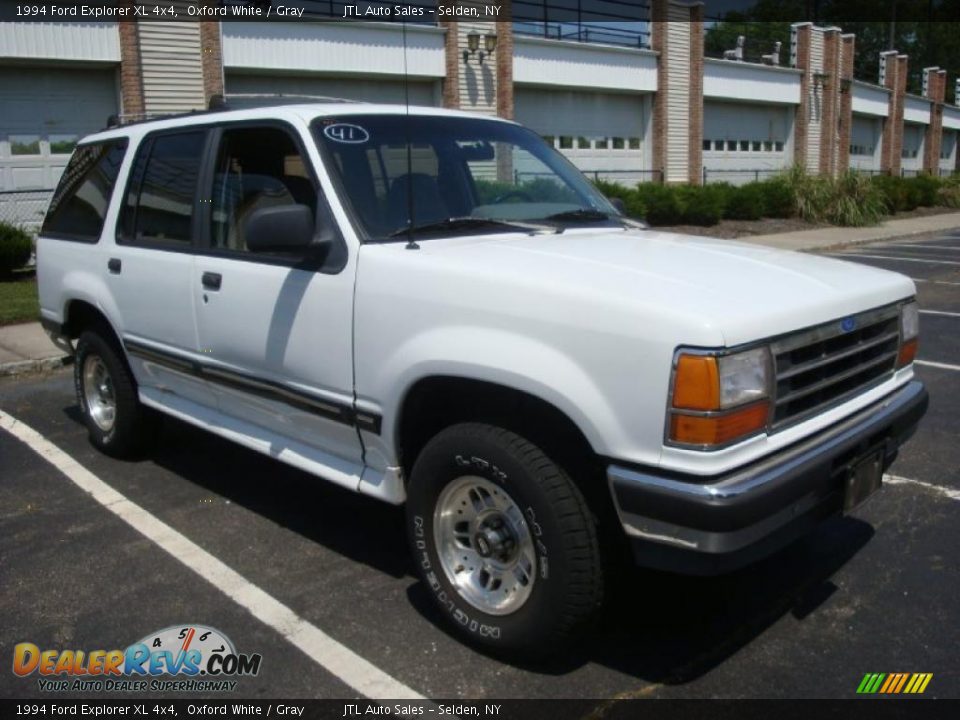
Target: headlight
[743,377]
[718,399]
[909,333]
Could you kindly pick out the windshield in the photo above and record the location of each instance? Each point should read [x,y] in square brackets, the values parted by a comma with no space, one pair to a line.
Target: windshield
[461,175]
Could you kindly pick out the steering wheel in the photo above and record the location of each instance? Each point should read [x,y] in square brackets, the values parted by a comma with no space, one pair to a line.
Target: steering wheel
[512,193]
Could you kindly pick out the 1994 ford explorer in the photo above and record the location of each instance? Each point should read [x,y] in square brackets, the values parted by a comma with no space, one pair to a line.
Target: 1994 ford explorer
[437,309]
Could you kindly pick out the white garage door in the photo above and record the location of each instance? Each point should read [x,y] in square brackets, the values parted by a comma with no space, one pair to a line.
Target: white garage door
[744,141]
[365,90]
[44,113]
[599,132]
[865,140]
[948,152]
[911,157]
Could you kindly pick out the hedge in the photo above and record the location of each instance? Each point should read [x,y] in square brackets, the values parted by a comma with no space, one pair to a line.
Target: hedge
[15,248]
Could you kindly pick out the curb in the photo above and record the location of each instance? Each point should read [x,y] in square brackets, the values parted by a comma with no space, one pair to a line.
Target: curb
[24,367]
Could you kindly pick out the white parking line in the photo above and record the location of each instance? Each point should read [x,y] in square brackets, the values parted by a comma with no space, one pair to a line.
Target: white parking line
[939,489]
[934,282]
[941,366]
[361,675]
[889,257]
[911,246]
[944,313]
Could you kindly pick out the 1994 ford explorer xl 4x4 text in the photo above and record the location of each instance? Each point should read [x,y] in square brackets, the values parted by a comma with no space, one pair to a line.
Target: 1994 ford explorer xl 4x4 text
[437,309]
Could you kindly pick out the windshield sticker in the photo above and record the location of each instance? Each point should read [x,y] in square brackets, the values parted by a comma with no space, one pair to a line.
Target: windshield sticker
[346,133]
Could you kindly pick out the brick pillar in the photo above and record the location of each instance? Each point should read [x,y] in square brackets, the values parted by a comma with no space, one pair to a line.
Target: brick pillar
[847,50]
[936,85]
[658,42]
[131,72]
[830,101]
[451,82]
[695,169]
[212,59]
[505,64]
[677,35]
[893,77]
[801,35]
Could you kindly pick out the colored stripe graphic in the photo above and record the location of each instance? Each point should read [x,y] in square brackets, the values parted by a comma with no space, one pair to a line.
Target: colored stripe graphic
[894,683]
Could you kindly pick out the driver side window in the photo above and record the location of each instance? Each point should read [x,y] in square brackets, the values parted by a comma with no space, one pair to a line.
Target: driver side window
[256,167]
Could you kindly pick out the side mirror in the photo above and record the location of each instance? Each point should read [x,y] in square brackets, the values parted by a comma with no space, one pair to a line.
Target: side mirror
[284,228]
[618,204]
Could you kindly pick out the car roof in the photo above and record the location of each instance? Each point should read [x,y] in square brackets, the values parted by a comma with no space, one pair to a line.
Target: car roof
[305,112]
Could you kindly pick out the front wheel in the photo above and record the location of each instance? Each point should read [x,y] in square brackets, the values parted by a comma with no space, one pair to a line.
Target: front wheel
[107,393]
[503,539]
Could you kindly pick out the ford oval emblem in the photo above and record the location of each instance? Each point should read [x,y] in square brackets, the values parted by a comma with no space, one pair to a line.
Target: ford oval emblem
[848,324]
[346,133]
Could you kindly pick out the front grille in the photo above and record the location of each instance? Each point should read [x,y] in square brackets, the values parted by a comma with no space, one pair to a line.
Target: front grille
[827,364]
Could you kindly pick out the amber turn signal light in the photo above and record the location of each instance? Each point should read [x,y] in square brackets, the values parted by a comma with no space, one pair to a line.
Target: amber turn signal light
[908,351]
[718,429]
[696,383]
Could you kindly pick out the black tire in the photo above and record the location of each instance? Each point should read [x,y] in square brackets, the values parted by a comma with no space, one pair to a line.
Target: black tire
[568,580]
[133,425]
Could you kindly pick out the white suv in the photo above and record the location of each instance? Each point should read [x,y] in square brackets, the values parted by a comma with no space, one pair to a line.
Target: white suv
[437,309]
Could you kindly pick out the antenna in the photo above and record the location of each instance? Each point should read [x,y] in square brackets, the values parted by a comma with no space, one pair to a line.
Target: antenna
[411,243]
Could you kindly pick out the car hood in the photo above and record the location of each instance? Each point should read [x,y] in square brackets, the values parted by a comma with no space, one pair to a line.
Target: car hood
[743,292]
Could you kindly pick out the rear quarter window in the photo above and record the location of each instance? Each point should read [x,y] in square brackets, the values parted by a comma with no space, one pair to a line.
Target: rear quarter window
[79,205]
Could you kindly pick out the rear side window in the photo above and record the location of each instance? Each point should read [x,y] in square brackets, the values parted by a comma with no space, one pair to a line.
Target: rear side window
[79,205]
[162,192]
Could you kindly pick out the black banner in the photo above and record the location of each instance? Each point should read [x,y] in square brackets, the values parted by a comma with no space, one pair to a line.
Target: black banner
[874,709]
[822,12]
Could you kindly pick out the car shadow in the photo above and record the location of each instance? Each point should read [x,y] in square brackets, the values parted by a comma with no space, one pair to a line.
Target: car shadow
[354,526]
[671,629]
[658,627]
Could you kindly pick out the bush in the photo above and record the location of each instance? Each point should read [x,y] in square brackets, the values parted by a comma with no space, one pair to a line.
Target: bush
[631,200]
[925,189]
[15,248]
[893,191]
[701,204]
[746,202]
[778,200]
[660,203]
[811,193]
[949,194]
[856,201]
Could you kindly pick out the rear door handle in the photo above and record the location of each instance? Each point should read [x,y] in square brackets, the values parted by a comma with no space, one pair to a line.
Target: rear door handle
[114,265]
[211,280]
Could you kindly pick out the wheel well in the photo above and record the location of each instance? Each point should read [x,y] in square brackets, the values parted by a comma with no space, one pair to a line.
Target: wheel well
[81,315]
[439,402]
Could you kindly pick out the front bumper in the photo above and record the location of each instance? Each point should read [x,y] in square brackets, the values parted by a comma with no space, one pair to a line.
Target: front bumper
[706,526]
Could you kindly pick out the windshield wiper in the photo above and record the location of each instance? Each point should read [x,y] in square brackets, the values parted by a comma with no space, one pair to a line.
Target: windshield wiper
[585,214]
[457,223]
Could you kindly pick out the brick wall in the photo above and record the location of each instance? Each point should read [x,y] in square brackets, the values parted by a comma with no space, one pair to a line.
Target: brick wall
[211,58]
[936,92]
[658,42]
[451,83]
[847,53]
[131,73]
[505,66]
[895,80]
[802,121]
[830,95]
[696,96]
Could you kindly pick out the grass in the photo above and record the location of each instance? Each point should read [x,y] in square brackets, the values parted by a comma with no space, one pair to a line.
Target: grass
[18,299]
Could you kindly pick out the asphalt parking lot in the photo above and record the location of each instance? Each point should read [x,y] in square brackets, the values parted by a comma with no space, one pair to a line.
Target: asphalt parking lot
[874,592]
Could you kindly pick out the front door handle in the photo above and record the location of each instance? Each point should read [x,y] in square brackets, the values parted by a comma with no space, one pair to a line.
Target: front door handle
[114,265]
[211,280]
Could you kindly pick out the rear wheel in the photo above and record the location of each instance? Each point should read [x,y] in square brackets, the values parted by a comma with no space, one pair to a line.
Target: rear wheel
[503,539]
[107,394]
